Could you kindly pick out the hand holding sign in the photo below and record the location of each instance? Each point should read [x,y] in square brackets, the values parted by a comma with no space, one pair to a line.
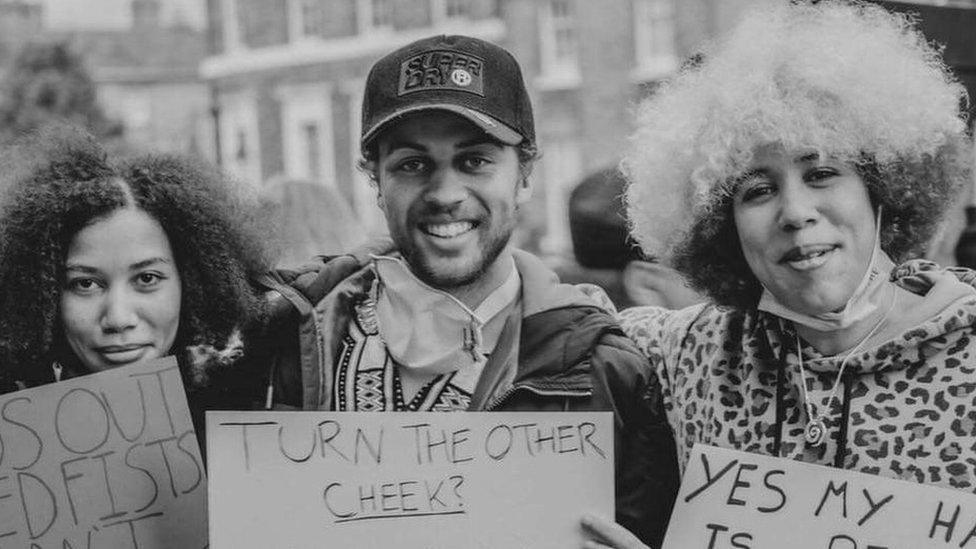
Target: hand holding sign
[420,480]
[609,535]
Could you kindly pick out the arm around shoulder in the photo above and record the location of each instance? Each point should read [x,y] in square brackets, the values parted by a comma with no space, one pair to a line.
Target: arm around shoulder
[647,478]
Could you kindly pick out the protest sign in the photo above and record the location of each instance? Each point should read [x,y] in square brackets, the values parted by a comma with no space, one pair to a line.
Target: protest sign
[408,480]
[737,500]
[108,460]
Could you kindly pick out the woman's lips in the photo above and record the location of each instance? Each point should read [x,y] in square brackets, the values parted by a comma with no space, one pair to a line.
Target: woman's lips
[805,258]
[122,354]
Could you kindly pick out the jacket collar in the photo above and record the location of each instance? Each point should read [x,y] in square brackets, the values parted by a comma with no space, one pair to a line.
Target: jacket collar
[556,325]
[541,289]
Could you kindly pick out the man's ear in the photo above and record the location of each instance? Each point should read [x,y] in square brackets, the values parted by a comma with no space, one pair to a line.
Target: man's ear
[524,190]
[649,283]
[370,168]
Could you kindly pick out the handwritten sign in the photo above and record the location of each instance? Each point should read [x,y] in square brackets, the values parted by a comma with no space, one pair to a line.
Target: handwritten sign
[408,480]
[732,499]
[108,460]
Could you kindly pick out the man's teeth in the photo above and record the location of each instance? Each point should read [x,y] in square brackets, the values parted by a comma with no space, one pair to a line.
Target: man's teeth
[449,230]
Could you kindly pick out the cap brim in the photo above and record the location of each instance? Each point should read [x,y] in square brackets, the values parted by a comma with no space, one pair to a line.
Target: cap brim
[488,124]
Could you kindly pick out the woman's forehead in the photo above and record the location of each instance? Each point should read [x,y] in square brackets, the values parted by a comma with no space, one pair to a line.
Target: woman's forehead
[124,237]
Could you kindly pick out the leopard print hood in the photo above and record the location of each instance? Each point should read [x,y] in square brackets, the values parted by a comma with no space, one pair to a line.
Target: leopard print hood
[905,408]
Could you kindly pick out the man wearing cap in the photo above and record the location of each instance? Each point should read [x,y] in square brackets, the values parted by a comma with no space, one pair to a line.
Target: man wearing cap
[451,317]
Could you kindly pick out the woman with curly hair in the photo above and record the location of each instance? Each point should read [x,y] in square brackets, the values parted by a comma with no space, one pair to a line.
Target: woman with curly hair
[795,173]
[103,265]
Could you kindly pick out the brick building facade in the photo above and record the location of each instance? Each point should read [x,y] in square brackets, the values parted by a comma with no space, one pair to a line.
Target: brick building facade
[287,77]
[146,76]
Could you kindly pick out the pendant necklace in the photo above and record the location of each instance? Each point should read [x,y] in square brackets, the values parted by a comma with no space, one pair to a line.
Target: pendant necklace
[815,431]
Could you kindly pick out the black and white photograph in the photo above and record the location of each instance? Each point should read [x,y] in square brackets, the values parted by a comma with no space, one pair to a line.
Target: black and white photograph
[684,274]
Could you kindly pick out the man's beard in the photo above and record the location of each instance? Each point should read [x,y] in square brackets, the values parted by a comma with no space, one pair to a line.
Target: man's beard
[490,244]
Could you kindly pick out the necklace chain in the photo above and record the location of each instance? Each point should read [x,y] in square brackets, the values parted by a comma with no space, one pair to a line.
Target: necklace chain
[816,429]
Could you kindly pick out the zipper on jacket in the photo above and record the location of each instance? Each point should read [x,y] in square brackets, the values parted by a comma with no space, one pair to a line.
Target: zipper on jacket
[569,393]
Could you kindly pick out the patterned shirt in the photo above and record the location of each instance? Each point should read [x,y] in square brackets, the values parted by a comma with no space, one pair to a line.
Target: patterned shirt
[368,379]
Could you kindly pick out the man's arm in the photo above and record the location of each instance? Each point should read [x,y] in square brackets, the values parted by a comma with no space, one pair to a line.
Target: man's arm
[647,475]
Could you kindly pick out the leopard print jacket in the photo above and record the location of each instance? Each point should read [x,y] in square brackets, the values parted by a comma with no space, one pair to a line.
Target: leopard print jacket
[904,409]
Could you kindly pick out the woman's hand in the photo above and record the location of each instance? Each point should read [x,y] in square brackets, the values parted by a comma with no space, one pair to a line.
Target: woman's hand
[605,534]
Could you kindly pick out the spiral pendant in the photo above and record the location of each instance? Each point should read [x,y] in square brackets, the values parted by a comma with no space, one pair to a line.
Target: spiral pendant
[815,432]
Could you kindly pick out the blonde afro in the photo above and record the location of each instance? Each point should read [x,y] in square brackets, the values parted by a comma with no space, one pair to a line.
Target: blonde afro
[847,79]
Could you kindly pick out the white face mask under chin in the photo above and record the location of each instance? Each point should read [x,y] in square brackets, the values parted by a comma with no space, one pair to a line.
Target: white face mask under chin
[861,304]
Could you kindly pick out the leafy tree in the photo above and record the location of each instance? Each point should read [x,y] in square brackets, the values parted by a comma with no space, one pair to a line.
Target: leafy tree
[47,83]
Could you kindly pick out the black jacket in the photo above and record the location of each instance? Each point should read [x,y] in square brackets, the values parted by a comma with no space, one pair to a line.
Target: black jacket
[571,356]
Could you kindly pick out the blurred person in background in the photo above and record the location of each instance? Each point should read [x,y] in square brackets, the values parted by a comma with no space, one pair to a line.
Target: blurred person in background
[604,253]
[310,219]
[797,172]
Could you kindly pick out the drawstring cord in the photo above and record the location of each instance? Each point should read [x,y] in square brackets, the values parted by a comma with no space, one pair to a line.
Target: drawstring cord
[845,416]
[269,394]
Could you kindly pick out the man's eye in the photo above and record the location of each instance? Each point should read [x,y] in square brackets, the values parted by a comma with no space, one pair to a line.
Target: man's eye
[475,162]
[413,165]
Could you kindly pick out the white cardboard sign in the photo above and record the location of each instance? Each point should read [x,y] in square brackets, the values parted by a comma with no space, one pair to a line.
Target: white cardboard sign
[737,500]
[108,460]
[432,480]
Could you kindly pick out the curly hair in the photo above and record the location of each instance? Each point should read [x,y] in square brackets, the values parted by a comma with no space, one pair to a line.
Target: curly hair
[61,182]
[847,79]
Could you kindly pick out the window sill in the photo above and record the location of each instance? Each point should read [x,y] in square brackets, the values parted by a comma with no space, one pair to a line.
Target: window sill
[558,80]
[655,70]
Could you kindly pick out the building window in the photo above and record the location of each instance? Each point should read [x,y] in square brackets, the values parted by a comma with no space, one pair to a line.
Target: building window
[654,50]
[375,15]
[457,9]
[137,110]
[452,10]
[363,191]
[306,125]
[558,42]
[240,146]
[264,23]
[240,150]
[382,13]
[561,168]
[313,150]
[312,18]
[231,25]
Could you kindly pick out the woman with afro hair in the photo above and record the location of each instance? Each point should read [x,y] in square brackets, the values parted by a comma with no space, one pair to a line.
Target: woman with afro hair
[796,175]
[105,264]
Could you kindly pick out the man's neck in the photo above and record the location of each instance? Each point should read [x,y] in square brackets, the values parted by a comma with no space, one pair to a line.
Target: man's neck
[473,294]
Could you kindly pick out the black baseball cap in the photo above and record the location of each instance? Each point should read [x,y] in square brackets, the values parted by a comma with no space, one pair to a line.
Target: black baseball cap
[473,78]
